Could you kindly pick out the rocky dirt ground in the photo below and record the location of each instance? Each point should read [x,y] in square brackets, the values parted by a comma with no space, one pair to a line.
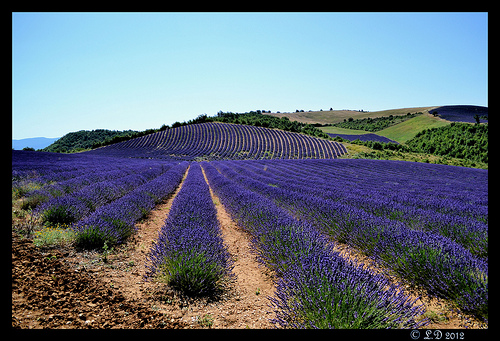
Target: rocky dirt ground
[47,293]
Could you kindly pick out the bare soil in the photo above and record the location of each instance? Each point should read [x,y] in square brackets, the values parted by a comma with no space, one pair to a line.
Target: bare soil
[64,287]
[47,293]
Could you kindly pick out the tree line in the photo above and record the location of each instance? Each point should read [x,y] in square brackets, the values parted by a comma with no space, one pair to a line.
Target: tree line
[374,124]
[85,139]
[255,118]
[456,140]
[459,140]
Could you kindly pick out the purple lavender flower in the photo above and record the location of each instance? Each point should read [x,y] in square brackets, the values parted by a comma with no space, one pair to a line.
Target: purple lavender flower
[189,253]
[316,288]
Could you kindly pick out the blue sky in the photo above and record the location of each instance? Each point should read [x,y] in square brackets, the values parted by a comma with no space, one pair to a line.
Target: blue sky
[84,71]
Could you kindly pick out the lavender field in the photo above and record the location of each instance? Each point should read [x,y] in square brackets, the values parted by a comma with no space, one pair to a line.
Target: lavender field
[426,225]
[364,137]
[461,113]
[224,141]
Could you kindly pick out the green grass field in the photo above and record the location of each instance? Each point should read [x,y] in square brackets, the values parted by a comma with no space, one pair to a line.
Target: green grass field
[406,130]
[401,132]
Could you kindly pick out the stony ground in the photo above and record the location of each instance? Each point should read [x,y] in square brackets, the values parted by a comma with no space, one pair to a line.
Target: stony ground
[47,293]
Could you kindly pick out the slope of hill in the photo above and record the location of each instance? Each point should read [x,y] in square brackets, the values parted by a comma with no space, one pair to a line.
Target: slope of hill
[375,124]
[363,137]
[218,141]
[406,130]
[400,132]
[336,116]
[461,113]
[83,139]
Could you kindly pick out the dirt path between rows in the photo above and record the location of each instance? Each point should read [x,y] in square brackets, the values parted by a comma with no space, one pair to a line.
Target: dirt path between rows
[441,313]
[67,288]
[90,284]
[254,283]
[243,305]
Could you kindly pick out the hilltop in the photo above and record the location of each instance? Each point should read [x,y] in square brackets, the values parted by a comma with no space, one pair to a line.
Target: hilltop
[387,134]
[433,117]
[461,113]
[220,141]
[401,132]
[336,116]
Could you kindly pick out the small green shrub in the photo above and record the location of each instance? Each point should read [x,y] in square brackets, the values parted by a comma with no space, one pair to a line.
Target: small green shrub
[33,201]
[192,274]
[52,236]
[93,237]
[57,215]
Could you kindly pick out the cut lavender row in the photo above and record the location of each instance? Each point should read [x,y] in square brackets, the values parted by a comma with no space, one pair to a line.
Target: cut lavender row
[189,253]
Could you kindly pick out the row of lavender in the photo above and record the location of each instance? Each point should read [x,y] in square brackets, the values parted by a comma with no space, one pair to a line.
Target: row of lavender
[83,184]
[47,166]
[45,175]
[115,222]
[75,204]
[189,253]
[216,141]
[454,205]
[100,197]
[448,258]
[316,287]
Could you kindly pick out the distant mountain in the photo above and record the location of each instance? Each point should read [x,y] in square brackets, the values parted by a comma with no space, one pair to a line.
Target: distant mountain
[33,142]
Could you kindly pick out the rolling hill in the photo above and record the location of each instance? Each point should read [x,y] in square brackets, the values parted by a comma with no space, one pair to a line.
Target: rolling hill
[83,139]
[433,117]
[336,116]
[400,132]
[219,141]
[461,113]
[262,136]
[406,130]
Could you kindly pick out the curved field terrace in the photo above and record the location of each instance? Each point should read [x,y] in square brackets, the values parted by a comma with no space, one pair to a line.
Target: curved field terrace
[222,141]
